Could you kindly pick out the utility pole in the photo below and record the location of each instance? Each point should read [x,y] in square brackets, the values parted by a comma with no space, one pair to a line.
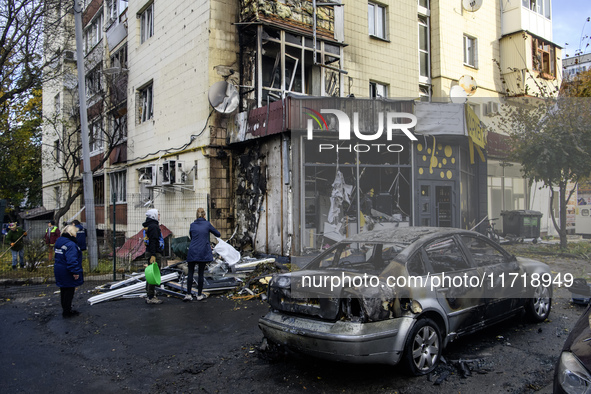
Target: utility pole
[87,174]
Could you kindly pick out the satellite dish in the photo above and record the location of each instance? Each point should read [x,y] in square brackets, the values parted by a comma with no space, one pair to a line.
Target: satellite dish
[468,84]
[458,95]
[223,97]
[472,5]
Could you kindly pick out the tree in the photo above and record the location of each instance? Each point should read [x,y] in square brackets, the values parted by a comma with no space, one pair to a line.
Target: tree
[24,64]
[20,151]
[552,141]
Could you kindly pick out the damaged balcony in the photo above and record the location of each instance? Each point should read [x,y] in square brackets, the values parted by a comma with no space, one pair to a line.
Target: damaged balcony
[296,47]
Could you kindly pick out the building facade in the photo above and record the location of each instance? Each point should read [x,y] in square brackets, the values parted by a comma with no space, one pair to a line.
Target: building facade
[162,134]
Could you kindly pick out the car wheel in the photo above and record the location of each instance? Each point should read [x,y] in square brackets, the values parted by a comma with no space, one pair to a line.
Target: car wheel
[538,308]
[423,347]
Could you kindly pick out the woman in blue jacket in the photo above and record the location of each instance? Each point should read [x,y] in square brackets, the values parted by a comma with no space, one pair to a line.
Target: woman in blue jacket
[68,268]
[199,252]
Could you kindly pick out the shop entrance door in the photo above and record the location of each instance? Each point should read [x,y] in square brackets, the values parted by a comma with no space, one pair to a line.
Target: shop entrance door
[435,204]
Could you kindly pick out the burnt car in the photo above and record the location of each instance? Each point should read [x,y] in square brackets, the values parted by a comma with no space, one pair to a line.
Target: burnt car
[400,296]
[573,370]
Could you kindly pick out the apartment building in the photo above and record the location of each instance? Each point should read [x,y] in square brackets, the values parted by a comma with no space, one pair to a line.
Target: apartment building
[282,65]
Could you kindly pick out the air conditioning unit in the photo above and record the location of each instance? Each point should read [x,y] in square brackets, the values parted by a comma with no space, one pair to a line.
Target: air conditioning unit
[490,108]
[148,175]
[70,55]
[172,173]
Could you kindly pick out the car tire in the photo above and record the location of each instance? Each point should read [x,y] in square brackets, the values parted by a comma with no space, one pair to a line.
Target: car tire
[423,347]
[537,309]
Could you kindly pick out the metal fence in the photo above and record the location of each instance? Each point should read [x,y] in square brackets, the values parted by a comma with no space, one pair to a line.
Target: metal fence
[120,242]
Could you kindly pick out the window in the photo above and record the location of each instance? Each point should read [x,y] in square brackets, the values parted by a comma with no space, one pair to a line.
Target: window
[470,51]
[446,256]
[93,81]
[424,63]
[57,150]
[544,57]
[293,69]
[378,90]
[57,104]
[376,18]
[147,23]
[483,253]
[425,93]
[119,186]
[95,133]
[541,7]
[98,186]
[93,32]
[145,103]
[119,129]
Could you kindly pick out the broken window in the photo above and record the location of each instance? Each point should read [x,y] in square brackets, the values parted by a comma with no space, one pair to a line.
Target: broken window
[145,103]
[93,81]
[147,23]
[288,65]
[378,90]
[544,57]
[119,186]
[95,132]
[446,256]
[340,174]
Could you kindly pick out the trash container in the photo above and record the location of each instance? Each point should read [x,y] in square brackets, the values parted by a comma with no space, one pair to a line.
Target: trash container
[521,223]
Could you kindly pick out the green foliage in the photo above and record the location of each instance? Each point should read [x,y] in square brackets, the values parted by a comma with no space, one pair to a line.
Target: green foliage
[20,151]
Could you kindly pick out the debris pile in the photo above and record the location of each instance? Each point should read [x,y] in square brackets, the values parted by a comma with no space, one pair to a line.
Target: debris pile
[248,277]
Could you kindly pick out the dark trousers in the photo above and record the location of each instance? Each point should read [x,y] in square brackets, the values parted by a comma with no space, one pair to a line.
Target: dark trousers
[151,289]
[66,297]
[200,274]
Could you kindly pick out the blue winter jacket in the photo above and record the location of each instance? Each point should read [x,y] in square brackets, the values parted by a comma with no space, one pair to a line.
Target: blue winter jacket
[68,262]
[200,247]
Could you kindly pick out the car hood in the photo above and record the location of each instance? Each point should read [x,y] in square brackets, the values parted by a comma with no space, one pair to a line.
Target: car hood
[579,340]
[318,293]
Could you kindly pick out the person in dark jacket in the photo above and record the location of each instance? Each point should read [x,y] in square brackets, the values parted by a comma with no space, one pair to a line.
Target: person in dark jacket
[199,252]
[52,233]
[15,236]
[81,235]
[68,268]
[153,251]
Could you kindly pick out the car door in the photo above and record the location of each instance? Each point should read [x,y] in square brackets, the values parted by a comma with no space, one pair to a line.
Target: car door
[451,278]
[499,273]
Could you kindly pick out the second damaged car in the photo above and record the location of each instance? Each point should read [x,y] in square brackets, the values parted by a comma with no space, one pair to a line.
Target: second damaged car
[400,296]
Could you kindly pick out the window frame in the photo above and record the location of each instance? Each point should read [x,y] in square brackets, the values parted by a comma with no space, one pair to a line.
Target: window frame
[93,32]
[468,39]
[118,184]
[146,18]
[145,93]
[379,12]
[423,22]
[373,89]
[95,136]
